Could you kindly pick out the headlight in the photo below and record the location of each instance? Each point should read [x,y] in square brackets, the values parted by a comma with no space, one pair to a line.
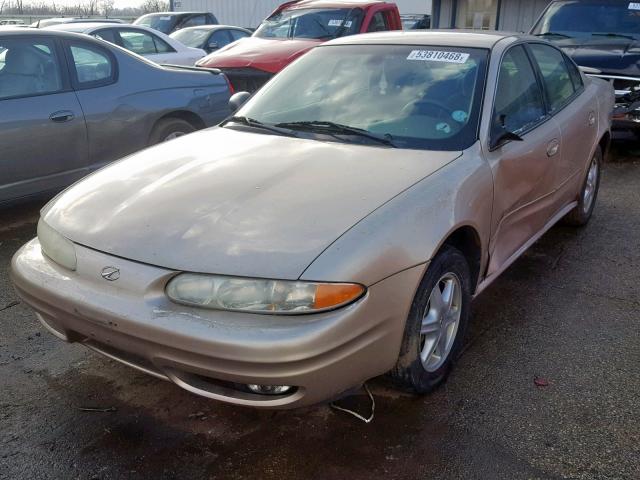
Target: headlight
[256,295]
[56,247]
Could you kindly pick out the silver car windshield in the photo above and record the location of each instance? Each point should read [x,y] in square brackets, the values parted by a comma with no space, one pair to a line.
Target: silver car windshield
[417,96]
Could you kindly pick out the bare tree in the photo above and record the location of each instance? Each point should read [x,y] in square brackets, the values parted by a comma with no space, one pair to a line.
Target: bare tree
[107,7]
[150,6]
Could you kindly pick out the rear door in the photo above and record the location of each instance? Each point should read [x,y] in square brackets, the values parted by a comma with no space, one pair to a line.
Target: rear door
[43,137]
[110,121]
[574,111]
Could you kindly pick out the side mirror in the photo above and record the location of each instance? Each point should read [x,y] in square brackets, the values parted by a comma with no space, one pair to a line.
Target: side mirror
[502,136]
[211,46]
[237,100]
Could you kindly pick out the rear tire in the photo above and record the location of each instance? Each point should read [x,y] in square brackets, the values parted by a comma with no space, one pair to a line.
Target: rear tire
[580,216]
[437,323]
[168,129]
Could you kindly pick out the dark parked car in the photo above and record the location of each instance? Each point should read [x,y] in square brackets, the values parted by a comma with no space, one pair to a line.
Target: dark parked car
[70,103]
[210,37]
[416,22]
[603,35]
[169,22]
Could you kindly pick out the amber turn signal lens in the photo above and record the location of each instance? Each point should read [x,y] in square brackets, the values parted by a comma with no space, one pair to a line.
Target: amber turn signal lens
[330,295]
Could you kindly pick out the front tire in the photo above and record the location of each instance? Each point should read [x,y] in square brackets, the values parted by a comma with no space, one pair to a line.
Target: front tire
[580,216]
[437,323]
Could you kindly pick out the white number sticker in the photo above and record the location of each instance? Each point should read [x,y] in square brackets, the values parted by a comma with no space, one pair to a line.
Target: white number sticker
[337,23]
[438,56]
[634,6]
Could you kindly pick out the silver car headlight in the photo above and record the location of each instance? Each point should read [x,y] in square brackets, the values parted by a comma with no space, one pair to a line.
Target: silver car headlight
[56,247]
[255,295]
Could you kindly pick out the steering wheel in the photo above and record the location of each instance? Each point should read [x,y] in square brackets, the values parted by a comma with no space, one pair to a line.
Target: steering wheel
[409,107]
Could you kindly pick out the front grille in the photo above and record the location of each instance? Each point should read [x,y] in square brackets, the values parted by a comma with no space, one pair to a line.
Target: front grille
[621,84]
[247,79]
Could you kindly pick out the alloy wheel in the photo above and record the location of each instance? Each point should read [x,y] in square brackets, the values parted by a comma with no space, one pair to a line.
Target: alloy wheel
[440,322]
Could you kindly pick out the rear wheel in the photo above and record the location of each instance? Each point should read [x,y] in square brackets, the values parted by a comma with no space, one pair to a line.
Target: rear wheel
[434,332]
[168,129]
[581,215]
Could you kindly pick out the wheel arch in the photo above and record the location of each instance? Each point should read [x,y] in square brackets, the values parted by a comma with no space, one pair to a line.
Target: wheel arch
[185,115]
[467,240]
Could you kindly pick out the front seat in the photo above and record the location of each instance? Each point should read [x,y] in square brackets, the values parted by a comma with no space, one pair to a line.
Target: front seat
[22,73]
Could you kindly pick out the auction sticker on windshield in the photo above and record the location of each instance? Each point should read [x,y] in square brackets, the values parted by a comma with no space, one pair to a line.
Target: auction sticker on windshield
[634,6]
[438,56]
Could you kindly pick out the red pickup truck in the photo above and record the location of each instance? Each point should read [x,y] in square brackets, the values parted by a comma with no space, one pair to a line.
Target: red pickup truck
[292,30]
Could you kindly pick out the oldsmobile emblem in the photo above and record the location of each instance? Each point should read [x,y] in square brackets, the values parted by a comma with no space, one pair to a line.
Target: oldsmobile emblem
[110,273]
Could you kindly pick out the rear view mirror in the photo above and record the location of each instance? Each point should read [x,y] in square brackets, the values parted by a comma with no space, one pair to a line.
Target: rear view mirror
[237,100]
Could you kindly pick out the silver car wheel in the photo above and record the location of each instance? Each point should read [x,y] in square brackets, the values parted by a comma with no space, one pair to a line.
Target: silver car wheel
[440,322]
[590,186]
[173,135]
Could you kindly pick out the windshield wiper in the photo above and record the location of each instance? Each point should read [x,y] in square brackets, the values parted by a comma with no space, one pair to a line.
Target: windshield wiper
[553,34]
[611,34]
[252,122]
[338,128]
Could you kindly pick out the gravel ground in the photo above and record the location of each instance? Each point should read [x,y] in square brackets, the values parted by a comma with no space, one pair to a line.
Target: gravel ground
[567,312]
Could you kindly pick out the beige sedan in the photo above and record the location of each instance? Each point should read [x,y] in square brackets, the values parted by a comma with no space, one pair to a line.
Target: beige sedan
[336,228]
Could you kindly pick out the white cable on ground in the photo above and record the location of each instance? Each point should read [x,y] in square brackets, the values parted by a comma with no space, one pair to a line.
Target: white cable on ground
[356,414]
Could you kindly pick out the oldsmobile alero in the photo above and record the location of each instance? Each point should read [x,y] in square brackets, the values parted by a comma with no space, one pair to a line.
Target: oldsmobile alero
[335,228]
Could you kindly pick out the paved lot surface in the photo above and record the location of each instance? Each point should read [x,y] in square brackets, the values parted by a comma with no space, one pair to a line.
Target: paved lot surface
[568,312]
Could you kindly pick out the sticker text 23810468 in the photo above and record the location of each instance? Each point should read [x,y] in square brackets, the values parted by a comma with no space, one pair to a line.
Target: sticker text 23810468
[438,56]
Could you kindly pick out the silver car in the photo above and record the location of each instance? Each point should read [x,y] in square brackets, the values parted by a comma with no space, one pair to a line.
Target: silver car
[70,104]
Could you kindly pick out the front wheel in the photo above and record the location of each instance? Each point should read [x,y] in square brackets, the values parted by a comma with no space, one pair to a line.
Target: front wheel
[581,215]
[435,329]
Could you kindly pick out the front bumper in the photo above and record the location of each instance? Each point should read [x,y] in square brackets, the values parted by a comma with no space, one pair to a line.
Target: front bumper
[211,352]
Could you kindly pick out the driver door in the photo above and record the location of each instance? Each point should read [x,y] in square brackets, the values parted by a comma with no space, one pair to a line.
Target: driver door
[524,171]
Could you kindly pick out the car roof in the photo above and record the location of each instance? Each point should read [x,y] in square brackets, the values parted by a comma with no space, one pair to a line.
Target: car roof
[213,27]
[79,26]
[331,3]
[444,38]
[172,13]
[44,32]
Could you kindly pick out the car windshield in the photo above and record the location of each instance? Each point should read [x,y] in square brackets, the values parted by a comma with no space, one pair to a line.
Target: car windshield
[418,97]
[192,37]
[161,22]
[311,23]
[589,18]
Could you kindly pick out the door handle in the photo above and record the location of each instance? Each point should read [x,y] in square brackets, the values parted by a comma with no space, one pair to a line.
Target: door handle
[553,147]
[61,116]
[592,118]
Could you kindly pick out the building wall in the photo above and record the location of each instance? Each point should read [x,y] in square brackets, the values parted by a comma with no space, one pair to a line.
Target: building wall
[514,15]
[250,13]
[520,15]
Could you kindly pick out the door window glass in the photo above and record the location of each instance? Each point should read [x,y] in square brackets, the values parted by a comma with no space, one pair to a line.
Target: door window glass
[378,23]
[91,65]
[107,35]
[574,73]
[519,103]
[161,45]
[220,38]
[477,14]
[238,34]
[138,42]
[195,21]
[555,74]
[28,67]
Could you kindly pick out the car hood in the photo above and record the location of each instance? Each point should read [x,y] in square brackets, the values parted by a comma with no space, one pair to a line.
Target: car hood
[610,55]
[265,54]
[235,202]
